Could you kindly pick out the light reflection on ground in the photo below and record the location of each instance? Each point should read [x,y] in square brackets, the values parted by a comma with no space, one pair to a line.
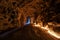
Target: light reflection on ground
[51,32]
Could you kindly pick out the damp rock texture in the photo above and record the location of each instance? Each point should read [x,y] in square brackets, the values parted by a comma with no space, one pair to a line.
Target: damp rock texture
[13,13]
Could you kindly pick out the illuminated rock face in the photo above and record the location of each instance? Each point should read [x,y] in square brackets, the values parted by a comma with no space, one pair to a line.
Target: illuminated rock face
[14,13]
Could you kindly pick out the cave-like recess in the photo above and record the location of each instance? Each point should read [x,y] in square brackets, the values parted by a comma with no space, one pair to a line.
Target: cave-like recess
[14,13]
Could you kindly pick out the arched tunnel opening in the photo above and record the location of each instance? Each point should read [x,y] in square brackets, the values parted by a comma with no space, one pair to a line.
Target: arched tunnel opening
[27,20]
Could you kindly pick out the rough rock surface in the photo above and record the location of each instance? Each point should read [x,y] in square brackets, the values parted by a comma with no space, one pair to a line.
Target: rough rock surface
[13,13]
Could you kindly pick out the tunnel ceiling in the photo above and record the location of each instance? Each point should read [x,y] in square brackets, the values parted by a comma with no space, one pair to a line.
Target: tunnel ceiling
[13,12]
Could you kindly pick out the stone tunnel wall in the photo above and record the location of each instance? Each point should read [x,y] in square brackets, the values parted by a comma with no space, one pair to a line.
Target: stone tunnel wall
[14,13]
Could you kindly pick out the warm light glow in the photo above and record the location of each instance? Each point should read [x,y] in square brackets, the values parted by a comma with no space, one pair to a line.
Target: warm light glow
[36,25]
[51,32]
[46,28]
[50,23]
